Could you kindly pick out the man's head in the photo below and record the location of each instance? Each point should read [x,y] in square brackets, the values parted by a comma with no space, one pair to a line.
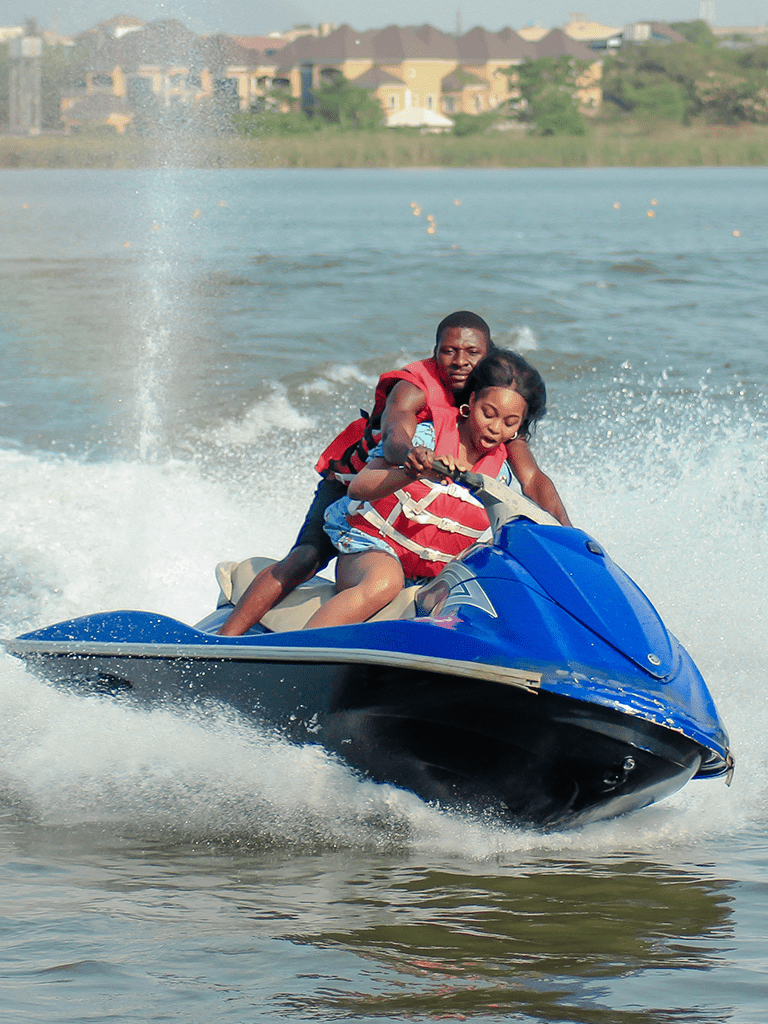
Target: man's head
[462,339]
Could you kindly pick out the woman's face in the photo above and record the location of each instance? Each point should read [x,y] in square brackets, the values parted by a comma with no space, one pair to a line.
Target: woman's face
[495,416]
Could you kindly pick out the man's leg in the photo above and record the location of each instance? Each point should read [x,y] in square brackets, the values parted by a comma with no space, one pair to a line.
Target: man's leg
[270,587]
[311,553]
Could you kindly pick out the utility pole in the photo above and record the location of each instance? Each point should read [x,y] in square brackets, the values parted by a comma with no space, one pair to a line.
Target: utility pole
[25,107]
[707,11]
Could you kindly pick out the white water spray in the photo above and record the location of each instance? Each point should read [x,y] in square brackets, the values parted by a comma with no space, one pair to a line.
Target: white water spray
[677,498]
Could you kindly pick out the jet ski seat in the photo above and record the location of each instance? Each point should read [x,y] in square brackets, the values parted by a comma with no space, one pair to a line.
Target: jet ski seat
[294,611]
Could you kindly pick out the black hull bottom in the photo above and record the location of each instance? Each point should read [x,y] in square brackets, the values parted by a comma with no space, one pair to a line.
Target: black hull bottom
[530,756]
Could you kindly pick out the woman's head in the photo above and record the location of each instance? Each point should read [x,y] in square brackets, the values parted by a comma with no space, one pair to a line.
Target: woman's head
[504,369]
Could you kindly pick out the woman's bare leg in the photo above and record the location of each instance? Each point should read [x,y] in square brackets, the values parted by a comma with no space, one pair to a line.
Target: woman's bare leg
[366,583]
[271,586]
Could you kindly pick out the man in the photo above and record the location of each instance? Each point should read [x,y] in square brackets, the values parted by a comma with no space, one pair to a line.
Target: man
[404,398]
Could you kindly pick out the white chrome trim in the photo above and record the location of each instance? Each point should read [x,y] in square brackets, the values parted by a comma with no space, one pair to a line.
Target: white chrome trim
[231,652]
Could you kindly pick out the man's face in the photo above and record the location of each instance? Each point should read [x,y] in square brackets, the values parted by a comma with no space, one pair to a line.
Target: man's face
[459,352]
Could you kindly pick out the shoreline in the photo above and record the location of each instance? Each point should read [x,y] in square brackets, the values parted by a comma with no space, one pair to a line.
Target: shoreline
[603,146]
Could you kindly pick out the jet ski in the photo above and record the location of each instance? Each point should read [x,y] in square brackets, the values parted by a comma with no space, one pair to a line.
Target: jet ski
[531,680]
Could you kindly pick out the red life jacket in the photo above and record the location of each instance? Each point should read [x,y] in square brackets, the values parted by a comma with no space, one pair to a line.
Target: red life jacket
[346,454]
[427,524]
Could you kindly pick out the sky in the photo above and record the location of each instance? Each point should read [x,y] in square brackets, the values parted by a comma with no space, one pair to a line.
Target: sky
[259,17]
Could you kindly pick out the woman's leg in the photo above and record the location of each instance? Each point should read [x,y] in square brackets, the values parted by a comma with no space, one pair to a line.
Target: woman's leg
[366,582]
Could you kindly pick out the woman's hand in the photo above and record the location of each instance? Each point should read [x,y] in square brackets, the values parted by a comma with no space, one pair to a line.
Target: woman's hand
[453,465]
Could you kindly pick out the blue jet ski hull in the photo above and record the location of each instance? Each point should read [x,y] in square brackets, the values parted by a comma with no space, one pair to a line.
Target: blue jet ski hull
[536,682]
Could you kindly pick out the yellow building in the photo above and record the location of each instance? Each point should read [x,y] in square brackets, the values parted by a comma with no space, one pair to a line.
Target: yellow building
[170,66]
[404,68]
[95,111]
[411,68]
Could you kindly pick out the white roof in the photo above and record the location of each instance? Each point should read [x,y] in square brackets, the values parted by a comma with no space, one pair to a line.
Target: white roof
[585,31]
[418,117]
[532,33]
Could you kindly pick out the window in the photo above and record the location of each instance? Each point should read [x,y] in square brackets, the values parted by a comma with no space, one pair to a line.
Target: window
[139,91]
[329,75]
[226,87]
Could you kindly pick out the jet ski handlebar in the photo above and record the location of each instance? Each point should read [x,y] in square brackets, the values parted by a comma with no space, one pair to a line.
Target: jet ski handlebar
[502,503]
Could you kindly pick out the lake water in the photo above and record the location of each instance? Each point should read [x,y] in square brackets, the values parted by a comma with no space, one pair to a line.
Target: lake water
[175,348]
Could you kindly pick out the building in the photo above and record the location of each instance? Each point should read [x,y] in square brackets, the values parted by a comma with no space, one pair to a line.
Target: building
[749,35]
[651,32]
[532,33]
[422,67]
[163,64]
[593,34]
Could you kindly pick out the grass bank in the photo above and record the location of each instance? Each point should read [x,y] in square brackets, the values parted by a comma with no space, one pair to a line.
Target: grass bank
[604,146]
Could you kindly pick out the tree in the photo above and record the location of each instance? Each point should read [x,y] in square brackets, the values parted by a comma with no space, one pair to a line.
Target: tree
[731,98]
[472,124]
[347,105]
[644,92]
[548,86]
[682,80]
[62,67]
[697,32]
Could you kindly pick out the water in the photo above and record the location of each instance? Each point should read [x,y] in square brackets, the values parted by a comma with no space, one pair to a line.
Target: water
[176,348]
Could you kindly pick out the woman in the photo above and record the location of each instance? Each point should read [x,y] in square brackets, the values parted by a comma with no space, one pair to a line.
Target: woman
[404,523]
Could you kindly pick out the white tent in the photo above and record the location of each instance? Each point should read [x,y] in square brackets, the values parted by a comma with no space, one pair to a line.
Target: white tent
[418,117]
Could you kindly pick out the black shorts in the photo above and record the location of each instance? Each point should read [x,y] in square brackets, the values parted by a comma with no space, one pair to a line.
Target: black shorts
[312,531]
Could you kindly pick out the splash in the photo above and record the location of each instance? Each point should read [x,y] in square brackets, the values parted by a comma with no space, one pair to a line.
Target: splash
[274,412]
[673,482]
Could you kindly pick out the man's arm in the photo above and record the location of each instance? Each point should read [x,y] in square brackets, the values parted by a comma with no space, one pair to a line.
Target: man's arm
[535,485]
[399,421]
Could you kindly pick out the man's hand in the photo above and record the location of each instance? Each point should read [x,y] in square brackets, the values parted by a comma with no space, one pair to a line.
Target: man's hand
[418,461]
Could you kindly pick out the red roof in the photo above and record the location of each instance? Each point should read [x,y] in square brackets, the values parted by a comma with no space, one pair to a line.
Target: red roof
[557,44]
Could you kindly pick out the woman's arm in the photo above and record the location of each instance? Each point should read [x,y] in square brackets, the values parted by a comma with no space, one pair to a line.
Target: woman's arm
[377,479]
[535,485]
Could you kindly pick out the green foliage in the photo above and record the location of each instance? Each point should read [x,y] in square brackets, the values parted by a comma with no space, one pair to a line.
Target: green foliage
[604,146]
[556,113]
[294,122]
[61,68]
[645,92]
[697,32]
[754,59]
[471,124]
[548,86]
[347,105]
[730,98]
[684,81]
